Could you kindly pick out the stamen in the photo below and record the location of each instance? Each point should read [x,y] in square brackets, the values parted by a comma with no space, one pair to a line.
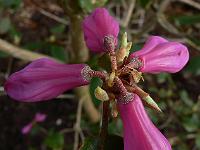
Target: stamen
[125,99]
[85,73]
[109,43]
[135,62]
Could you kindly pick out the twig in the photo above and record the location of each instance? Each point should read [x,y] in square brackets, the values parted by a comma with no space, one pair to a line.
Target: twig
[66,130]
[162,19]
[104,124]
[125,21]
[66,96]
[52,16]
[20,53]
[79,53]
[77,127]
[9,67]
[88,105]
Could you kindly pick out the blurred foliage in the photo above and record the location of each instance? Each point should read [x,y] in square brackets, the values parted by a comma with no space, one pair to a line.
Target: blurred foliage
[112,142]
[89,5]
[10,3]
[194,64]
[54,140]
[187,20]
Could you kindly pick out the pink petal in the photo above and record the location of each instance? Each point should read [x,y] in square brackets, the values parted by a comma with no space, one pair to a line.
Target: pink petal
[44,79]
[163,57]
[139,132]
[151,43]
[96,26]
[39,117]
[26,129]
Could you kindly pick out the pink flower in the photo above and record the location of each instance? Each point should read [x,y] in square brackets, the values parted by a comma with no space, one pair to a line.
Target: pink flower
[39,117]
[159,55]
[98,25]
[139,132]
[45,79]
[27,128]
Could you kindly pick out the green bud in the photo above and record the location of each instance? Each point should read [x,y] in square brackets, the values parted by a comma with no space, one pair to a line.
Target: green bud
[152,103]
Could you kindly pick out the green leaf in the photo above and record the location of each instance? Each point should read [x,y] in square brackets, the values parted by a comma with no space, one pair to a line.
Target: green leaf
[5,25]
[187,20]
[197,141]
[144,3]
[93,62]
[10,3]
[58,29]
[54,140]
[35,45]
[194,64]
[191,124]
[162,77]
[90,144]
[135,47]
[86,5]
[89,5]
[3,55]
[58,52]
[115,127]
[185,98]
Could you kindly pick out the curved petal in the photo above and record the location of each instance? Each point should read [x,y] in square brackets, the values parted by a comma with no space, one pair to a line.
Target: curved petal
[98,25]
[139,132]
[163,57]
[151,43]
[45,79]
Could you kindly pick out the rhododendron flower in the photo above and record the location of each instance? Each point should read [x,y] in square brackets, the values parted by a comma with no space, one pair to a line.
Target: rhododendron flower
[159,55]
[98,25]
[45,79]
[139,132]
[39,117]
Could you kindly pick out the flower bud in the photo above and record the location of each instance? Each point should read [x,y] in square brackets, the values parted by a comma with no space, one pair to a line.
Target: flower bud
[101,94]
[97,26]
[151,103]
[45,79]
[124,49]
[159,55]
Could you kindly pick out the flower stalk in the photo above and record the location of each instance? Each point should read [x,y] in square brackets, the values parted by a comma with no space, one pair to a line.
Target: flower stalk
[104,124]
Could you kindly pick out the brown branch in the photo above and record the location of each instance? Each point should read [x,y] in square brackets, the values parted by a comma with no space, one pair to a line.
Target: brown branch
[88,105]
[20,53]
[104,127]
[77,127]
[125,21]
[79,53]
